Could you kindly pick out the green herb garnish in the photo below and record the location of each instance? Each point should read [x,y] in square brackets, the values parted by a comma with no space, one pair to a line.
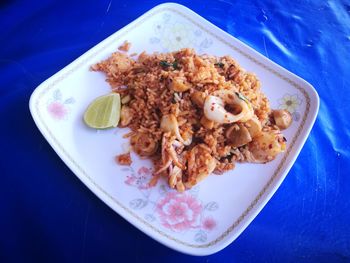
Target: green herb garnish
[242,97]
[219,64]
[166,64]
[176,65]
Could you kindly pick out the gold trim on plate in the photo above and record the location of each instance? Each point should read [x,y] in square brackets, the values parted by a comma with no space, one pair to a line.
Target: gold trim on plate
[236,222]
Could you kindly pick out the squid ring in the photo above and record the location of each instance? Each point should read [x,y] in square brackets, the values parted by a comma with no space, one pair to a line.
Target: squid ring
[214,107]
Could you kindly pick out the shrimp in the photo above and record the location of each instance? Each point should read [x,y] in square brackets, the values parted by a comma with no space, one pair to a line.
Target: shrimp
[266,146]
[214,107]
[144,144]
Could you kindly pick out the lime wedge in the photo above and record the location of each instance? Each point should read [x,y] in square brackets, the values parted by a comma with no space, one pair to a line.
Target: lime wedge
[103,112]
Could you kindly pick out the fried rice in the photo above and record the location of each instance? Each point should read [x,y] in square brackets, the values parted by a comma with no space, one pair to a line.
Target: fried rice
[168,102]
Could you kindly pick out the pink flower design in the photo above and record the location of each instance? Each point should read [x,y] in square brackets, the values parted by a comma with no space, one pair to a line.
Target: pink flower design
[140,179]
[208,223]
[130,180]
[144,171]
[57,110]
[179,212]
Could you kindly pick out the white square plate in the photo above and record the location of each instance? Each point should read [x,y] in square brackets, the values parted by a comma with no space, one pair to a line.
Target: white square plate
[210,216]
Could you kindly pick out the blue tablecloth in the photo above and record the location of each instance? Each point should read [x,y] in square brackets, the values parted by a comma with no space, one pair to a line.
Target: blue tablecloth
[48,215]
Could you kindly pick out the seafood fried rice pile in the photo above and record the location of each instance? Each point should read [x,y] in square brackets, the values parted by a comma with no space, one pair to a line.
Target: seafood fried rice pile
[194,114]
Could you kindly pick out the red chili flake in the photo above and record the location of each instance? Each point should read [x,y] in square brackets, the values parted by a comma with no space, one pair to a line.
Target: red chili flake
[270,146]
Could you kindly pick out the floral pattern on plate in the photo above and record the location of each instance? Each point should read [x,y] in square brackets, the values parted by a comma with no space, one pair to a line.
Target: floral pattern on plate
[177,212]
[172,34]
[291,103]
[57,107]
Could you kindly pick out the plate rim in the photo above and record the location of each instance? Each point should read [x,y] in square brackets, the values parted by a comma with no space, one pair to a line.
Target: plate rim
[271,188]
